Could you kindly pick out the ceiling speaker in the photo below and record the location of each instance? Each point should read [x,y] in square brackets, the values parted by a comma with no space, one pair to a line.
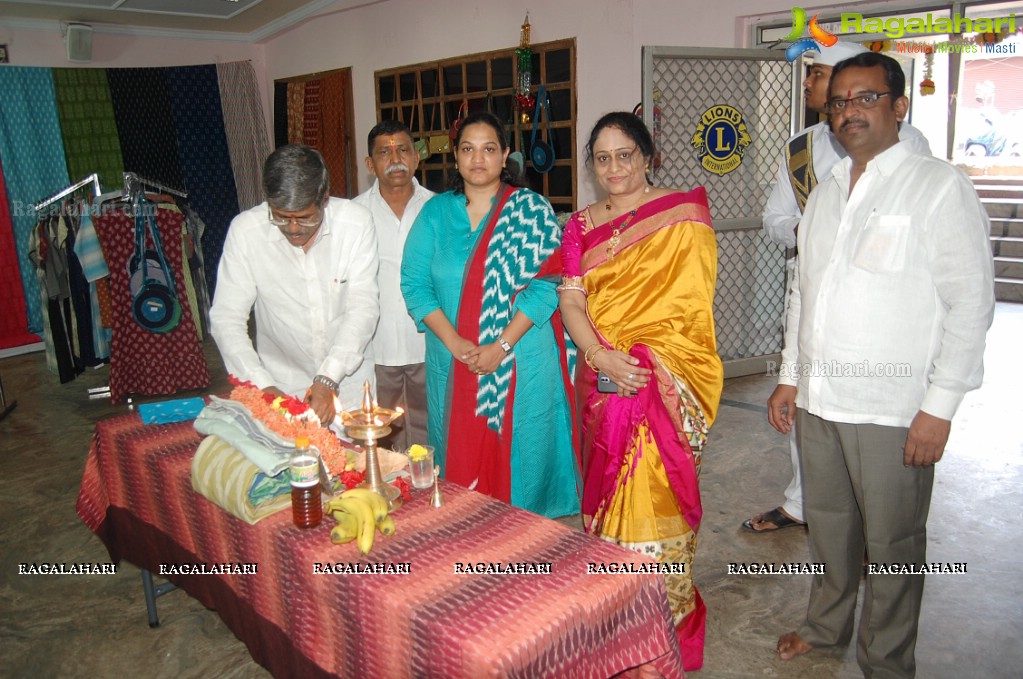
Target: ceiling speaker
[79,43]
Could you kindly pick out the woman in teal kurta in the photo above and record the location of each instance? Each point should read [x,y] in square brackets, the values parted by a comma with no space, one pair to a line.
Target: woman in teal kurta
[479,274]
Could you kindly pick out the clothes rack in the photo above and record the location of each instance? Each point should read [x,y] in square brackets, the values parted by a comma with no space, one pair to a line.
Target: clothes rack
[133,183]
[92,178]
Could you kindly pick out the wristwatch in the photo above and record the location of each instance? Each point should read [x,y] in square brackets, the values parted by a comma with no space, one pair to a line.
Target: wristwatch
[504,345]
[327,382]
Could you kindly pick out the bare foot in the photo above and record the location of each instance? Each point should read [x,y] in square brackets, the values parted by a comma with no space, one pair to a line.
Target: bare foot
[790,645]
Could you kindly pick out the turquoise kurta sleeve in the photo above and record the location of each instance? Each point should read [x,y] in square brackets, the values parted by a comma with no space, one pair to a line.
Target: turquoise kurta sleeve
[416,261]
[539,299]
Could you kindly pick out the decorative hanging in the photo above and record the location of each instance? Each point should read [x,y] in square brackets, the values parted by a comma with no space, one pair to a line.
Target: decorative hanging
[927,85]
[524,53]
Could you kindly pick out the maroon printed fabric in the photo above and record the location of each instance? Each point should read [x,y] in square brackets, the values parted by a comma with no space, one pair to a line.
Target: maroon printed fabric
[437,620]
[144,362]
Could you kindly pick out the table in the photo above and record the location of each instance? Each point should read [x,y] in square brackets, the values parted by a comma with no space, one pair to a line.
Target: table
[136,495]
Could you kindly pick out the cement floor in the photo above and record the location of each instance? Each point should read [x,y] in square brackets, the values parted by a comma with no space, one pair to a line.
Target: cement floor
[95,626]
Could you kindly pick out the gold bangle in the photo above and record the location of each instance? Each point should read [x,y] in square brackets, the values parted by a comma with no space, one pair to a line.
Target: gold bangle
[588,357]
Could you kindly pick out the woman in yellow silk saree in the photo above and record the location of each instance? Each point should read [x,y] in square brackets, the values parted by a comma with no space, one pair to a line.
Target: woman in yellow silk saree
[637,298]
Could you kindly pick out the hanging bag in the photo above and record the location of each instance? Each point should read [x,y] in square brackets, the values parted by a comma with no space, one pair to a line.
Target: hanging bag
[541,152]
[456,125]
[155,304]
[421,146]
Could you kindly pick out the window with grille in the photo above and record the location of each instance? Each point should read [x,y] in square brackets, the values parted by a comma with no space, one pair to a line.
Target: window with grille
[427,97]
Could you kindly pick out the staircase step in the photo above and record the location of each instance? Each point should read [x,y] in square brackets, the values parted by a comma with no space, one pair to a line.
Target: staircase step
[1009,267]
[1007,248]
[988,200]
[1009,290]
[999,192]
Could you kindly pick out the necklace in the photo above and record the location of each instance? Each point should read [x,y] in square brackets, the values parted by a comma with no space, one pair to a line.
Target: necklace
[608,206]
[614,241]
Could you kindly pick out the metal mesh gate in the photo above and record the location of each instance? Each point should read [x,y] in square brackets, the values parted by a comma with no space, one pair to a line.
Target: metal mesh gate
[693,86]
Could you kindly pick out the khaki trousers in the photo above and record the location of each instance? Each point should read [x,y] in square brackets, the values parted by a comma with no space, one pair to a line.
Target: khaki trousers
[857,494]
[405,386]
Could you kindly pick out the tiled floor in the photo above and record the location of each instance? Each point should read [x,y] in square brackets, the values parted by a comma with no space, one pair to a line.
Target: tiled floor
[95,626]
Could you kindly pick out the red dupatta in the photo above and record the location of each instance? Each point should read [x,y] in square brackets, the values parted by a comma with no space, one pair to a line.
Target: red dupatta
[475,452]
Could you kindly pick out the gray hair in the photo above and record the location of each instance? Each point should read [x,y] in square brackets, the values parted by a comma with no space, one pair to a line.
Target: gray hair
[295,177]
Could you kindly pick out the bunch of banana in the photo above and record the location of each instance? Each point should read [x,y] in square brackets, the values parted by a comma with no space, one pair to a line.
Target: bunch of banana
[359,511]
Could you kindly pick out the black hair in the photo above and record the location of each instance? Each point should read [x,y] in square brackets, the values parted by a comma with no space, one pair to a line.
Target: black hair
[631,126]
[387,127]
[508,175]
[295,178]
[894,78]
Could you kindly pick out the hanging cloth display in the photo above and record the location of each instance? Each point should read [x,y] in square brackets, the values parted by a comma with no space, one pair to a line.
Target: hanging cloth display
[540,151]
[155,304]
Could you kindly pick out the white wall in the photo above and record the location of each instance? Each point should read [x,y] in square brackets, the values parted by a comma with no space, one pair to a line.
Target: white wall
[609,37]
[385,34]
[41,44]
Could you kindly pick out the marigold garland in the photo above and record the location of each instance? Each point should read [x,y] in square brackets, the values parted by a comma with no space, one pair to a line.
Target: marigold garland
[290,418]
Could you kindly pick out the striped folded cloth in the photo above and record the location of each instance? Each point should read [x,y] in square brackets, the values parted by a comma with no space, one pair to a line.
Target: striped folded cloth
[229,480]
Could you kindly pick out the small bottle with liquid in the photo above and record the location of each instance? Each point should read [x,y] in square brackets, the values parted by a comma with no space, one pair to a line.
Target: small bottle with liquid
[306,503]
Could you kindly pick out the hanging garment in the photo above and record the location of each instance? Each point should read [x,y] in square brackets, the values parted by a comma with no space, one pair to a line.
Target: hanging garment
[194,94]
[144,362]
[81,303]
[50,258]
[334,132]
[13,321]
[87,124]
[94,269]
[197,266]
[296,112]
[29,132]
[145,123]
[246,132]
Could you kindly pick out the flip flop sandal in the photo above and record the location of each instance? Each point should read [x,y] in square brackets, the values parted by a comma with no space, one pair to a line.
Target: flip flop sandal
[774,516]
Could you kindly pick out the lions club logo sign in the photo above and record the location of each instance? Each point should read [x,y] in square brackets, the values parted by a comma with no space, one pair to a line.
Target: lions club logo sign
[721,139]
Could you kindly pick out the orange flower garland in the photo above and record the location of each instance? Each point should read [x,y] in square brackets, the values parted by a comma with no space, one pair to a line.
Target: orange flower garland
[290,418]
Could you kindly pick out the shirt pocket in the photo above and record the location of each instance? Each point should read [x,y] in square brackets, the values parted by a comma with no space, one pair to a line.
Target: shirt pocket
[882,247]
[337,293]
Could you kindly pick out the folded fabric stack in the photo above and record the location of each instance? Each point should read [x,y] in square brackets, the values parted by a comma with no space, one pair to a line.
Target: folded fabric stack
[232,422]
[226,477]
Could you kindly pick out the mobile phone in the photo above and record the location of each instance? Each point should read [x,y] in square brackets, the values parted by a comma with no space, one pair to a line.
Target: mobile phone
[605,385]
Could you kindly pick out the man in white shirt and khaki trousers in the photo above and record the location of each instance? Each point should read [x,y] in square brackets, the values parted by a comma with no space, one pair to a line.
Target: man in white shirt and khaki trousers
[886,329]
[395,200]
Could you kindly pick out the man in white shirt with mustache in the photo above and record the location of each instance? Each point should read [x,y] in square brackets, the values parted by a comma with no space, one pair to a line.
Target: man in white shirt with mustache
[395,200]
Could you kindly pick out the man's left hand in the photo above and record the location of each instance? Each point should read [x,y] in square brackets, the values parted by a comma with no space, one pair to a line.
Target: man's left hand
[321,400]
[926,441]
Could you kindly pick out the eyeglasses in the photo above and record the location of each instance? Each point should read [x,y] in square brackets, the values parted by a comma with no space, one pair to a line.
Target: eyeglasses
[281,222]
[623,156]
[863,101]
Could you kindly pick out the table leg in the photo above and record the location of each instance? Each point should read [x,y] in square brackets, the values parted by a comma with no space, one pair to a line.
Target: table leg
[151,593]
